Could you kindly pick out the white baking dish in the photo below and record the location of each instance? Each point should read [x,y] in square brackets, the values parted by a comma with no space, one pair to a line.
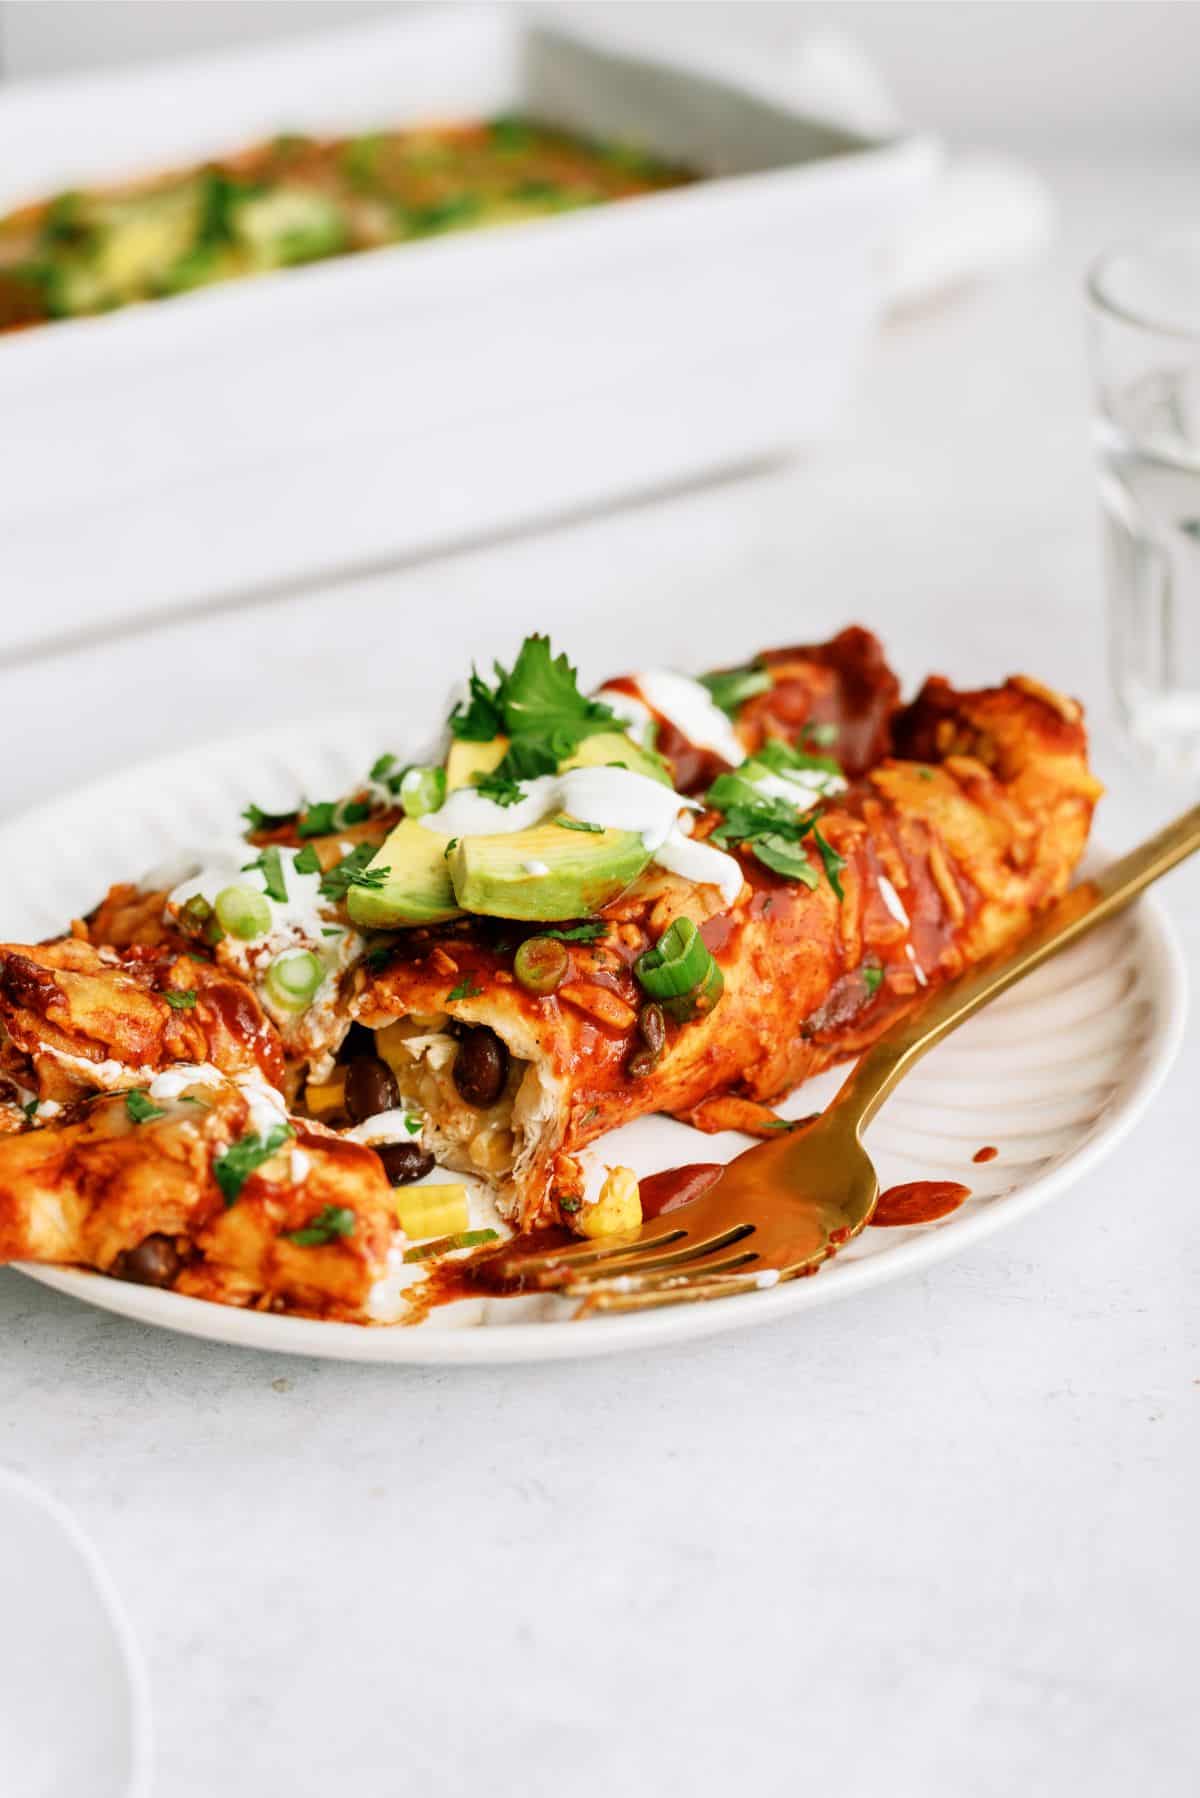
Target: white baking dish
[336,416]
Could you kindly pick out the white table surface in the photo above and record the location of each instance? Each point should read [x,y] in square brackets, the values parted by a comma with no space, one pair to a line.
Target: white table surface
[938,1541]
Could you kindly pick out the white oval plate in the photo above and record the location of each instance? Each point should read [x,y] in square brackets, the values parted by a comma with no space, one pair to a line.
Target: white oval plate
[1052,1075]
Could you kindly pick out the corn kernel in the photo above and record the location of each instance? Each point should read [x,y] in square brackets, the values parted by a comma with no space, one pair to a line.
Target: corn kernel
[618,1208]
[427,1211]
[327,1096]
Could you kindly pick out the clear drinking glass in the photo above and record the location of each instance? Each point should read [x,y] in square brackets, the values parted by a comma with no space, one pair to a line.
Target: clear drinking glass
[1145,327]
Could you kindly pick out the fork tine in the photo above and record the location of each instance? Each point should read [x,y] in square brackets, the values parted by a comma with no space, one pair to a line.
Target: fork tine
[655,1298]
[723,1258]
[521,1264]
[639,1259]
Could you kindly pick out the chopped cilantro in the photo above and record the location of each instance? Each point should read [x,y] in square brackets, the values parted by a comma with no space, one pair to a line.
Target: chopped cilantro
[270,865]
[833,862]
[307,860]
[774,830]
[593,830]
[141,1109]
[352,871]
[412,1124]
[569,1205]
[332,930]
[578,933]
[329,815]
[234,1166]
[380,956]
[331,1223]
[452,844]
[382,766]
[872,980]
[181,1000]
[258,820]
[318,820]
[500,788]
[30,1108]
[781,758]
[466,989]
[925,773]
[734,687]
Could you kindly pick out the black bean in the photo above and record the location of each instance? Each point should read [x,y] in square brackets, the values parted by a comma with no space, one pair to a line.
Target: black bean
[404,1162]
[358,1040]
[370,1088]
[481,1065]
[155,1262]
[653,1028]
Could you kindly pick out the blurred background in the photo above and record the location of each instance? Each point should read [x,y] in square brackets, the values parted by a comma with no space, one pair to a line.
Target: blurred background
[990,69]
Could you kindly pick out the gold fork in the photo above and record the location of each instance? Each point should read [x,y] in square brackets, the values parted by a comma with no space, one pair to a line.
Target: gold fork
[783,1207]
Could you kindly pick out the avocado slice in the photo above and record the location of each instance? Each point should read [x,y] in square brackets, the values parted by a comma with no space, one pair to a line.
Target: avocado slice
[417,889]
[613,746]
[467,761]
[501,876]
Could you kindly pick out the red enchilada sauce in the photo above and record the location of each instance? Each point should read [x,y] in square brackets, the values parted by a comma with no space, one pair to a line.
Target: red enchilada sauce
[918,1202]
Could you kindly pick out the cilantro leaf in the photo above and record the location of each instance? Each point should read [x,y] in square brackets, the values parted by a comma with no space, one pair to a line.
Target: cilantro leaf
[466,989]
[30,1109]
[352,871]
[481,718]
[872,980]
[181,1000]
[141,1108]
[538,706]
[307,860]
[234,1166]
[786,858]
[270,865]
[331,1223]
[732,688]
[782,758]
[257,819]
[381,767]
[542,694]
[594,830]
[318,820]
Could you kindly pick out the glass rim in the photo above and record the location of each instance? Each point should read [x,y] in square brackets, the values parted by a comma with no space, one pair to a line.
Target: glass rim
[1100,267]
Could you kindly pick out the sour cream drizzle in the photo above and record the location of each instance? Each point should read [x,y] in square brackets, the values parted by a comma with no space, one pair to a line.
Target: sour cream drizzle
[683,702]
[614,799]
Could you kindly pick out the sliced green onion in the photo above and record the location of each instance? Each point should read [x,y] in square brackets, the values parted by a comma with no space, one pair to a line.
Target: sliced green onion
[293,978]
[464,1239]
[541,964]
[732,689]
[422,790]
[680,972]
[243,912]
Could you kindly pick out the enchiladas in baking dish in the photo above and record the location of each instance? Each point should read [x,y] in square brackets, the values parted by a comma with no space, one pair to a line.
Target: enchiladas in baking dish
[296,200]
[313,1062]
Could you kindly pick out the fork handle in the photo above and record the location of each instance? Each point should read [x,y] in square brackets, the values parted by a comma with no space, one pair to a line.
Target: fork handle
[1091,903]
